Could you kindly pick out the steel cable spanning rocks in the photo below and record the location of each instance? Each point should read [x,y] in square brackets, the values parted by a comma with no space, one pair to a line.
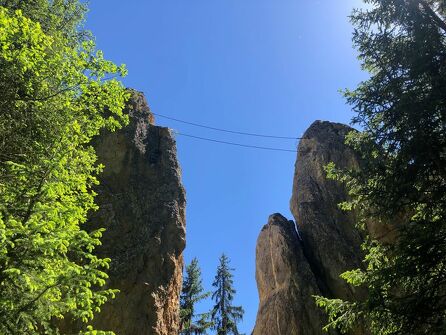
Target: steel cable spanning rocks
[233,132]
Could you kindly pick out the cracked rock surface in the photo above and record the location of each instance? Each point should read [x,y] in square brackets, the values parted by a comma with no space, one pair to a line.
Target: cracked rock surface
[285,306]
[291,267]
[142,206]
[332,243]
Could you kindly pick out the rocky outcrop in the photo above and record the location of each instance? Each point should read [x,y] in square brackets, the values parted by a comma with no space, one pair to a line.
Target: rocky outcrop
[332,243]
[142,207]
[285,283]
[327,243]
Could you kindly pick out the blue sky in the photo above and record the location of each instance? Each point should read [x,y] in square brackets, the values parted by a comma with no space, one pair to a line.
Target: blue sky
[250,65]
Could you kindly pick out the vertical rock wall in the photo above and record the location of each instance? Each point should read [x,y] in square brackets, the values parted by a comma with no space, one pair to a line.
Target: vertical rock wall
[327,244]
[285,297]
[332,244]
[142,206]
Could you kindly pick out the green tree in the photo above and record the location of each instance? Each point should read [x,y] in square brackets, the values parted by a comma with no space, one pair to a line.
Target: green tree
[401,186]
[56,17]
[56,95]
[191,294]
[225,316]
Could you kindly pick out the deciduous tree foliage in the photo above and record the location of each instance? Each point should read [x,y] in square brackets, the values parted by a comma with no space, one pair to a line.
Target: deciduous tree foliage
[191,294]
[401,186]
[224,315]
[56,17]
[55,97]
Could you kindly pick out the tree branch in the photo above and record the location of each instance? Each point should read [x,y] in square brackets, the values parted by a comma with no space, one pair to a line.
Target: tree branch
[434,16]
[30,303]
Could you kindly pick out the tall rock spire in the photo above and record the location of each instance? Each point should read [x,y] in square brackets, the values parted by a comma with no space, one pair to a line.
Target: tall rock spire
[142,206]
[285,283]
[328,244]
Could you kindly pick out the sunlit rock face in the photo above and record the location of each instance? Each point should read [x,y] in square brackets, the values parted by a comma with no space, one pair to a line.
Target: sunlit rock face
[285,283]
[327,243]
[142,206]
[332,243]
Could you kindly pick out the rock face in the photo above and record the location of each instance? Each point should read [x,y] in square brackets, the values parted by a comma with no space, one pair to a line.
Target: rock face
[142,207]
[285,283]
[291,266]
[332,244]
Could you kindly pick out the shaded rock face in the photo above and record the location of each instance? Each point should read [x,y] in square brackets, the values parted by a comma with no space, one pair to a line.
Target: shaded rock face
[331,242]
[285,283]
[142,207]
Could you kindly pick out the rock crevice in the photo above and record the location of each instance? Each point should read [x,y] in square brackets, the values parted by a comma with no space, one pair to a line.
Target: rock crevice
[326,245]
[332,243]
[279,256]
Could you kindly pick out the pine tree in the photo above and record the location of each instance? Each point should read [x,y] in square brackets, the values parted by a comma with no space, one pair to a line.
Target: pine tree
[401,185]
[56,96]
[225,316]
[191,294]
